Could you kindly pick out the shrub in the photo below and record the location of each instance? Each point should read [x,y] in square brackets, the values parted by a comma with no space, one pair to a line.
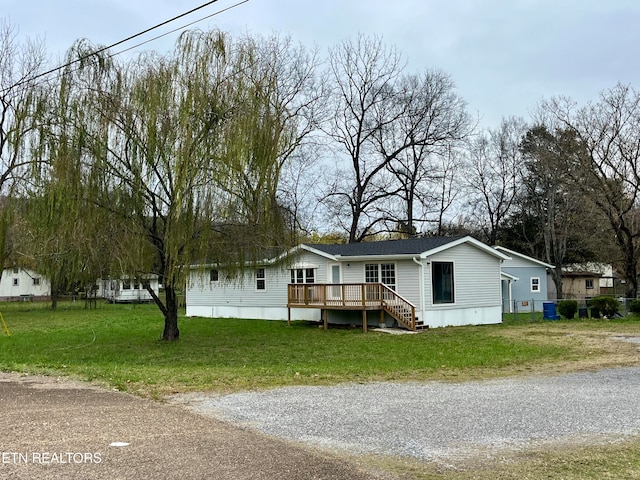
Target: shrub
[607,306]
[634,305]
[567,308]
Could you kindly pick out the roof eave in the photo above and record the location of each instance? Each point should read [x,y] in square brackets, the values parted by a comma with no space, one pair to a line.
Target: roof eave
[359,258]
[476,243]
[526,257]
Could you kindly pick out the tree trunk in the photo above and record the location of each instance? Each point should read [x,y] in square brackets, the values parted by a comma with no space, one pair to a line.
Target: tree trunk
[54,297]
[169,309]
[171,332]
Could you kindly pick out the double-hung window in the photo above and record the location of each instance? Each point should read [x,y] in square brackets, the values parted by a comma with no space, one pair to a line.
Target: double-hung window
[213,275]
[261,280]
[388,275]
[371,273]
[384,273]
[303,275]
[535,284]
[381,273]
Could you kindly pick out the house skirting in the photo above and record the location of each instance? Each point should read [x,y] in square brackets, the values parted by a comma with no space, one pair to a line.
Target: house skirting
[262,313]
[457,316]
[433,318]
[25,298]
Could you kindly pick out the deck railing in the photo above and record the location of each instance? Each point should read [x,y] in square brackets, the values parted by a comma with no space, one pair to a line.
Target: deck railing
[353,296]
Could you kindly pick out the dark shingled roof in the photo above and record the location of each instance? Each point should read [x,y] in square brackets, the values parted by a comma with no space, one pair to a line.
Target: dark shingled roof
[411,246]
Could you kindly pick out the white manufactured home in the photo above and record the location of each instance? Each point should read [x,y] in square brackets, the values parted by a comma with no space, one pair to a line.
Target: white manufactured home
[414,283]
[23,284]
[128,290]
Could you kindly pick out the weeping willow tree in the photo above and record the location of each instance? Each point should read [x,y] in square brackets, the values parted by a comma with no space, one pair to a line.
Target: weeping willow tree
[22,114]
[63,233]
[183,153]
[64,236]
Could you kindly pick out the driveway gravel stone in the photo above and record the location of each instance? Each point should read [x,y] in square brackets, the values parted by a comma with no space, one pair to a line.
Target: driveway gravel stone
[437,421]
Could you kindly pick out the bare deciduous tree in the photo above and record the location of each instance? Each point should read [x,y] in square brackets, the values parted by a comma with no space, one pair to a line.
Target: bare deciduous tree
[365,74]
[418,145]
[494,175]
[609,172]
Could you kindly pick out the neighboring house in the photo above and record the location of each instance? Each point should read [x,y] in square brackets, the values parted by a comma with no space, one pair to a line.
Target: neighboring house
[127,289]
[433,282]
[578,285]
[524,284]
[23,284]
[607,275]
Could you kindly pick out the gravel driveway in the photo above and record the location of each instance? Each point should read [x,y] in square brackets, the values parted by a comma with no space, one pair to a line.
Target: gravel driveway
[440,421]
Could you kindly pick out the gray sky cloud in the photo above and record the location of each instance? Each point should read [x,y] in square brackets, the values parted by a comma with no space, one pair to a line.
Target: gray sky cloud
[504,55]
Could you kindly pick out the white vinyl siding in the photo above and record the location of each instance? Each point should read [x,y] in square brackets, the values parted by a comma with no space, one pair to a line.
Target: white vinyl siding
[24,282]
[476,278]
[406,273]
[240,292]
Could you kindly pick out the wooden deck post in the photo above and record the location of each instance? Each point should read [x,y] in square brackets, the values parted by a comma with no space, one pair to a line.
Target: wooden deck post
[364,321]
[288,316]
[325,318]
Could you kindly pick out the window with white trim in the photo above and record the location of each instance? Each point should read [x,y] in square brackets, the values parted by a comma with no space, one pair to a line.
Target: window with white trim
[371,273]
[261,279]
[442,282]
[384,273]
[36,281]
[213,275]
[588,284]
[303,275]
[535,284]
[388,275]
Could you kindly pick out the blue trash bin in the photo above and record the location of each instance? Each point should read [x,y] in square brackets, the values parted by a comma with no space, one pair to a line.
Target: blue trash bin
[549,311]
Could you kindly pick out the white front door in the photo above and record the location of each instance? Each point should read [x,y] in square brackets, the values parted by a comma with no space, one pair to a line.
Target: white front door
[335,276]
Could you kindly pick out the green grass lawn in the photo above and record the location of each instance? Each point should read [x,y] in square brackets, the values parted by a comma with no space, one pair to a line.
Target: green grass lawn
[118,345]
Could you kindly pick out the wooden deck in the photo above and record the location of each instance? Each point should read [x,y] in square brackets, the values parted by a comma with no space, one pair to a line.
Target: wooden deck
[353,296]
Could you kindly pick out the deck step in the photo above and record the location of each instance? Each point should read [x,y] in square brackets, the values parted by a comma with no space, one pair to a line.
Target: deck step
[420,325]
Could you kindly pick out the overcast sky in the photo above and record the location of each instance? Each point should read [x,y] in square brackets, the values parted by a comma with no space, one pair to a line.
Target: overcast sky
[504,55]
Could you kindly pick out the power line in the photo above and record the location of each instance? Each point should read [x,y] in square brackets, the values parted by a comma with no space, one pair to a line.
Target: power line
[131,37]
[179,28]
